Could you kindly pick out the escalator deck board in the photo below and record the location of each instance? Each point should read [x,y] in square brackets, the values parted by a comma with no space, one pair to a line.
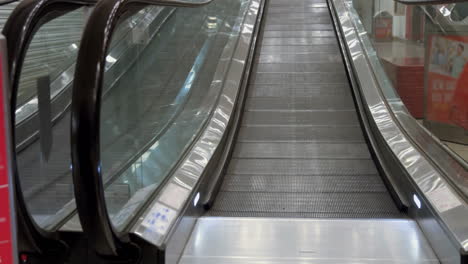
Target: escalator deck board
[300,151]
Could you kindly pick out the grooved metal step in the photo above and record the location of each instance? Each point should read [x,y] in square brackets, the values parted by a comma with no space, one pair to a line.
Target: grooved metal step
[301,134]
[303,184]
[300,150]
[299,90]
[295,167]
[300,58]
[298,41]
[300,103]
[298,33]
[317,204]
[300,77]
[311,9]
[285,67]
[295,150]
[321,118]
[298,49]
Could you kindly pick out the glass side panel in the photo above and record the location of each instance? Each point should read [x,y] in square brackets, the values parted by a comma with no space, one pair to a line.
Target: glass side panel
[43,140]
[42,133]
[419,55]
[52,51]
[158,106]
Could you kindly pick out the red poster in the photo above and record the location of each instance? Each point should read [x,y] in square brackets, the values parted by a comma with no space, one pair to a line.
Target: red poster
[447,91]
[6,234]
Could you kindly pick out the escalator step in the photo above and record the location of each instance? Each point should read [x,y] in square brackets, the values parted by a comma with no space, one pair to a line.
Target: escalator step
[303,184]
[317,118]
[298,90]
[297,49]
[300,103]
[343,134]
[295,167]
[304,204]
[301,150]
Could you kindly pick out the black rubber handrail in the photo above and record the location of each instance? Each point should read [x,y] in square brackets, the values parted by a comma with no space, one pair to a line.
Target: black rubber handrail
[19,30]
[104,239]
[429,2]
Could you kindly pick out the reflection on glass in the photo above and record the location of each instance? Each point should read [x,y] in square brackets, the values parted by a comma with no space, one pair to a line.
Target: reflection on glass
[459,12]
[419,55]
[158,105]
[44,162]
[43,134]
[424,52]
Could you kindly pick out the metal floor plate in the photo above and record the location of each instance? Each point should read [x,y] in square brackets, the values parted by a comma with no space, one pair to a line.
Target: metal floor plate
[300,150]
[224,240]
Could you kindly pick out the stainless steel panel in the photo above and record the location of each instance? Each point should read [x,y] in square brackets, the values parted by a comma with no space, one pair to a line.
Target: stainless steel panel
[259,240]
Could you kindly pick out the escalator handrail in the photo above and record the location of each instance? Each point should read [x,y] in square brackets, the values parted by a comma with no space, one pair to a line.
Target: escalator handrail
[19,30]
[85,114]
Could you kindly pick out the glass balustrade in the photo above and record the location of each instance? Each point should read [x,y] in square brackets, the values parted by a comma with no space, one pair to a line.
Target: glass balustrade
[161,99]
[419,55]
[42,130]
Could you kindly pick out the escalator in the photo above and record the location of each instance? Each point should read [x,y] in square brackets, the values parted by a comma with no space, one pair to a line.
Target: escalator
[236,134]
[302,181]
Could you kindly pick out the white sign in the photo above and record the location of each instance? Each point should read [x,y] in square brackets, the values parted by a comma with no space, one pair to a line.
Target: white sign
[159,219]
